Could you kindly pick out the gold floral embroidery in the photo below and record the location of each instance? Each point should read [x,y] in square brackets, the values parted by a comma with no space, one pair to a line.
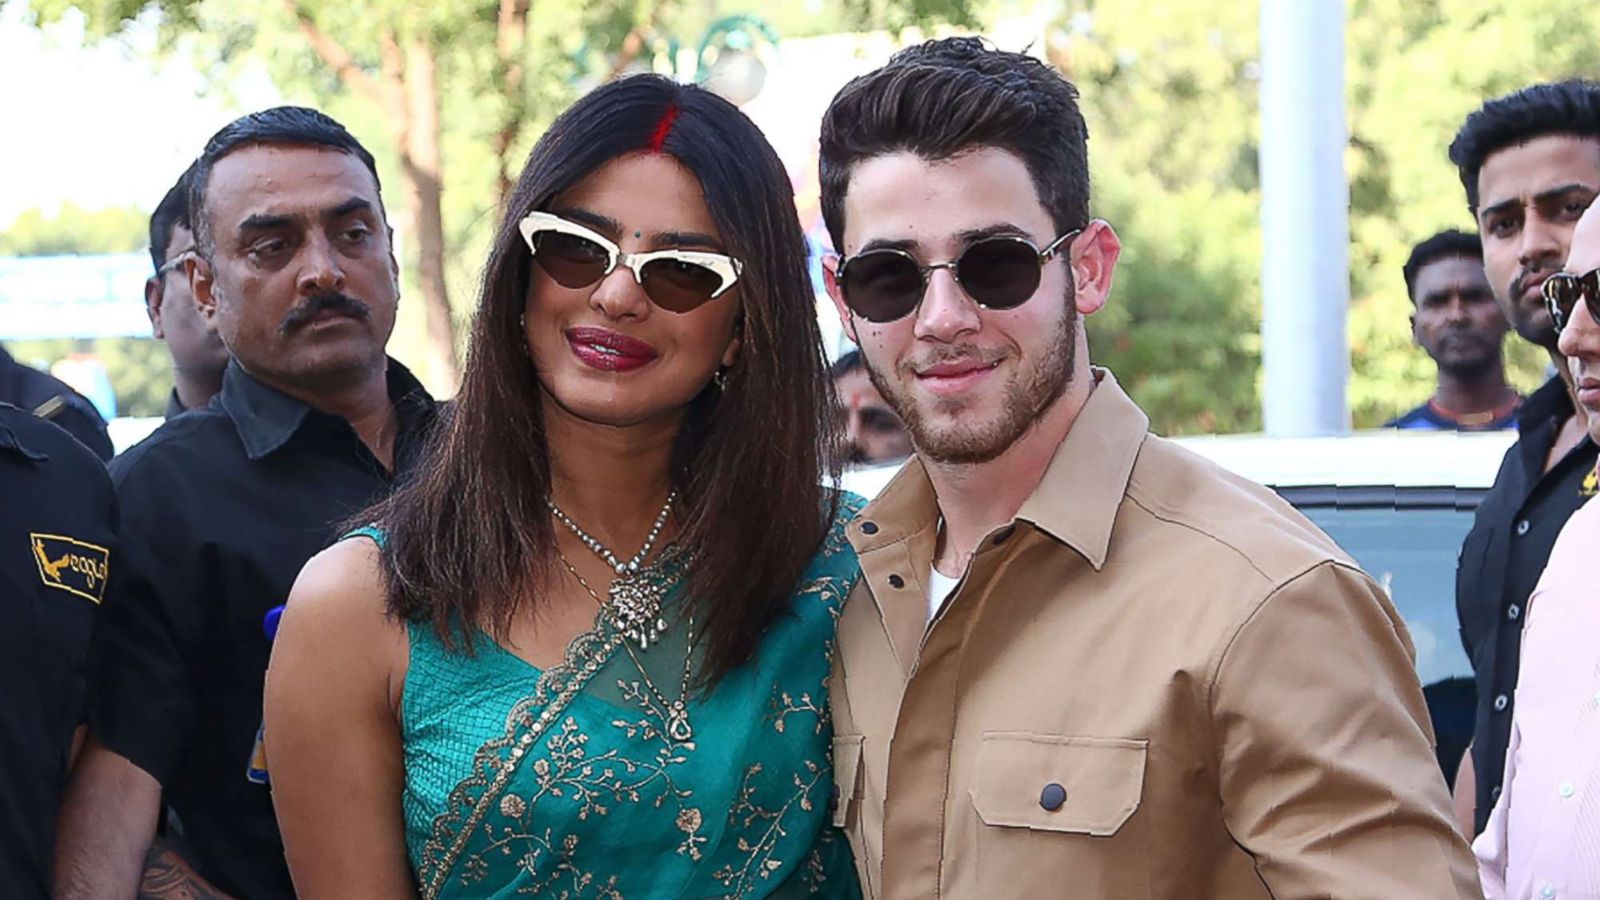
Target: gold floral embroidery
[563,767]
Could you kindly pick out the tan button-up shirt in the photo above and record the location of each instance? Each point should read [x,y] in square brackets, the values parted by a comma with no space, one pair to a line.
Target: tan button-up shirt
[1159,681]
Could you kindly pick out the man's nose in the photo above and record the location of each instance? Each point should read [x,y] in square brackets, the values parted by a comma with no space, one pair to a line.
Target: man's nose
[320,271]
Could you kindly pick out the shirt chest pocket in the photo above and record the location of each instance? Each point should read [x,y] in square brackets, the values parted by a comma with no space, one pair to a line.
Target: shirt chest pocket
[1055,810]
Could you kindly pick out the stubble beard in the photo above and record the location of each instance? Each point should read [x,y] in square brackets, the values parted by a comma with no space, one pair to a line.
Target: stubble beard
[974,439]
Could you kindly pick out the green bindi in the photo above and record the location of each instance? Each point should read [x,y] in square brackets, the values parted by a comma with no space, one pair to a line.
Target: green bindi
[637,234]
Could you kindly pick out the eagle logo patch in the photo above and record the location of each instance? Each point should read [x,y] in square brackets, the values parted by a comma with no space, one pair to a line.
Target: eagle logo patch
[71,565]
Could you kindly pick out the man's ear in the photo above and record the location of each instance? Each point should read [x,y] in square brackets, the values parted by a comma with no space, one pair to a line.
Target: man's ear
[1092,258]
[153,295]
[830,280]
[202,285]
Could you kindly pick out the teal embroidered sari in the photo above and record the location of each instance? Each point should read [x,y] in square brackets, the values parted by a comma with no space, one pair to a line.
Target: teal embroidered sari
[590,780]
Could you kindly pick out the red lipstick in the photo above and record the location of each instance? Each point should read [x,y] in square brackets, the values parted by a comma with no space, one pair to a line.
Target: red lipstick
[609,351]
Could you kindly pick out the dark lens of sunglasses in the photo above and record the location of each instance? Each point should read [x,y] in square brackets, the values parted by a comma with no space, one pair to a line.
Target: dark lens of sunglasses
[882,285]
[574,262]
[678,286]
[1000,273]
[1561,292]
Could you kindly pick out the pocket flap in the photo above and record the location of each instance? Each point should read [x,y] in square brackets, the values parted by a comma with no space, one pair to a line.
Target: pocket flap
[847,750]
[1094,784]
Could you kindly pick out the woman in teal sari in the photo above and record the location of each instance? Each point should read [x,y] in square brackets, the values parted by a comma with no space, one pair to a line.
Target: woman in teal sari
[582,651]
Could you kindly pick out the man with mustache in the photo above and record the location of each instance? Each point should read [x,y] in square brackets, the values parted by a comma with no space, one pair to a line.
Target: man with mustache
[1530,164]
[221,507]
[1081,662]
[1456,321]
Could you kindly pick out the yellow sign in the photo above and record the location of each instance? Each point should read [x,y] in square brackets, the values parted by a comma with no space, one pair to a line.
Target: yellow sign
[71,565]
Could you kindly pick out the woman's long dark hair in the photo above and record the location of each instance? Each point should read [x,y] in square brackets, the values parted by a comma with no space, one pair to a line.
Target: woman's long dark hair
[469,537]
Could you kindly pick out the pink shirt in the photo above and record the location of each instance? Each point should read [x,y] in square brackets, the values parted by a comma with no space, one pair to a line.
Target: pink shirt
[1543,838]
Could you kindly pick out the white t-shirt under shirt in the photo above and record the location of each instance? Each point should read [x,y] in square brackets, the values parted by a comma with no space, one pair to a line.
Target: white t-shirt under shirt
[940,587]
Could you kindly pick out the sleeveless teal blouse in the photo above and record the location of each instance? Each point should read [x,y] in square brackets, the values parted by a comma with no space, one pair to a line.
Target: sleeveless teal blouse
[589,780]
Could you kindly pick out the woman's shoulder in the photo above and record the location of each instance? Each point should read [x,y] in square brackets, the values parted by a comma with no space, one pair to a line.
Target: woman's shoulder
[342,591]
[834,569]
[847,507]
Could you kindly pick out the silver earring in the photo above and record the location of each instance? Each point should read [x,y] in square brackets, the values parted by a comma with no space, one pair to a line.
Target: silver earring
[721,379]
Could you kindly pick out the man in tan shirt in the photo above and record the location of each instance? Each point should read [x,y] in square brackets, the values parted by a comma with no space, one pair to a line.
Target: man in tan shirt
[1081,662]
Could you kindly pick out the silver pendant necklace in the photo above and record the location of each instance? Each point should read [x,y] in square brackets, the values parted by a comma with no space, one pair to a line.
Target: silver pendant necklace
[621,568]
[634,599]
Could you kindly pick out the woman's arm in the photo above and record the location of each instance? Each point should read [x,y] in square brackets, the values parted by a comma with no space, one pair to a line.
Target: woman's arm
[332,730]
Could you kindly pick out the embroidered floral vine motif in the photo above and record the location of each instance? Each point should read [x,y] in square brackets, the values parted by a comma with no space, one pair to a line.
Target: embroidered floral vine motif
[496,761]
[746,814]
[500,818]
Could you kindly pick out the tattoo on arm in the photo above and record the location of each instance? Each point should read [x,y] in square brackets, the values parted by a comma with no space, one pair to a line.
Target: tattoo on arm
[167,876]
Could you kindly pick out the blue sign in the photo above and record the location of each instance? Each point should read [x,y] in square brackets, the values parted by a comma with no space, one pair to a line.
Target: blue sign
[73,296]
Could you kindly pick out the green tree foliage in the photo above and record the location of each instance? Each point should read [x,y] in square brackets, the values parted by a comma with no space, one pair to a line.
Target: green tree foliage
[1170,92]
[72,229]
[451,94]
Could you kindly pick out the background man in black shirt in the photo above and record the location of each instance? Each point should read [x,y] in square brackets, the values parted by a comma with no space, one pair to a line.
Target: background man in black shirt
[198,356]
[1456,321]
[57,546]
[1530,163]
[223,505]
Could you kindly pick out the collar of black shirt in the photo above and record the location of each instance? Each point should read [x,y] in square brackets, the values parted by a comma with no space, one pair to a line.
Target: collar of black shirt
[266,418]
[175,406]
[1548,406]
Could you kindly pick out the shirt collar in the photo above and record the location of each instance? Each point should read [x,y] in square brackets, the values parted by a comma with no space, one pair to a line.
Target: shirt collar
[1549,404]
[1075,502]
[266,418]
[175,406]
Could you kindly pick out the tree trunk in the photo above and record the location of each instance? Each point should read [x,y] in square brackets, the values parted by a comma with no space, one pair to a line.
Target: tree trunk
[510,44]
[417,135]
[408,92]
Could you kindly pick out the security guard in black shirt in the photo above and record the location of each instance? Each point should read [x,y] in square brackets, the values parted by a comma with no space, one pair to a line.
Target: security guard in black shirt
[50,398]
[223,505]
[58,545]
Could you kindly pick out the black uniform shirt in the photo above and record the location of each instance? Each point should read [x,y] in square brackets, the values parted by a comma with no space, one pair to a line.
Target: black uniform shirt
[57,547]
[221,508]
[1501,561]
[50,398]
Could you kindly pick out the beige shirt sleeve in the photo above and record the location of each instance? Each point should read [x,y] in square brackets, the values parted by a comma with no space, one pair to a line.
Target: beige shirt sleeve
[1325,759]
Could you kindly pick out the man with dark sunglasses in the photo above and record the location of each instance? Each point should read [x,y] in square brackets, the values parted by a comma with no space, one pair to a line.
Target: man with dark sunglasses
[1540,839]
[1530,165]
[1080,661]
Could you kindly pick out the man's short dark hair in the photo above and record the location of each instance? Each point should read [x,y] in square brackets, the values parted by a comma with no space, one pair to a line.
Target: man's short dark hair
[1444,245]
[844,365]
[1563,108]
[294,126]
[946,97]
[172,212]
